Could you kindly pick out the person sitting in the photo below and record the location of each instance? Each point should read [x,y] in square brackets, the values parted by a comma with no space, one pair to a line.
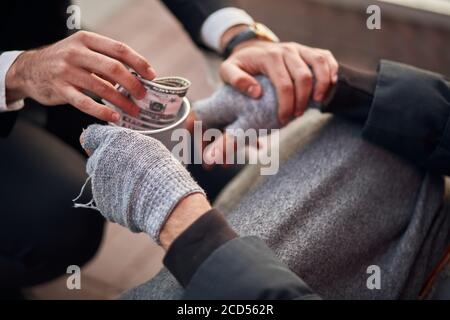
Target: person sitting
[367,189]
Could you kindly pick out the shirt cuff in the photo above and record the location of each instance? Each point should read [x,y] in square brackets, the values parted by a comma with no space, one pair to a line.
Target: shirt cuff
[6,60]
[220,21]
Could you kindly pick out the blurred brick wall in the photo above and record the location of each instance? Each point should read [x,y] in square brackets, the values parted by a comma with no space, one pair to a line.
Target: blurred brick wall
[409,36]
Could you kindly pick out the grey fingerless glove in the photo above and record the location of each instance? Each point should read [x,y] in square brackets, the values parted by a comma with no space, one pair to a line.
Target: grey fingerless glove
[135,180]
[228,107]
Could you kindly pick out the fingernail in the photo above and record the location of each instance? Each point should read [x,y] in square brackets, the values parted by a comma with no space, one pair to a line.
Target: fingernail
[251,91]
[115,117]
[151,72]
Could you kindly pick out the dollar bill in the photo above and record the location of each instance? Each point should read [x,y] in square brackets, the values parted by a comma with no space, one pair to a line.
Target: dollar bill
[160,106]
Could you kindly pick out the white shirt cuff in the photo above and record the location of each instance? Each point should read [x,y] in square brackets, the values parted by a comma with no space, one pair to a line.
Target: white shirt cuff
[6,60]
[220,21]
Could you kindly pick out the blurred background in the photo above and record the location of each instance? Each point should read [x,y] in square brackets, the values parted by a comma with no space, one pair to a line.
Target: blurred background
[416,32]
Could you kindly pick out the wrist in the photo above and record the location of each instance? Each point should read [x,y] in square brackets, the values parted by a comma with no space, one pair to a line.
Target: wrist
[186,212]
[235,37]
[16,79]
[230,34]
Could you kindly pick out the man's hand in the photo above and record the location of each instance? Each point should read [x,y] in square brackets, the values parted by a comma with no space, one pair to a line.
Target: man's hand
[288,65]
[85,61]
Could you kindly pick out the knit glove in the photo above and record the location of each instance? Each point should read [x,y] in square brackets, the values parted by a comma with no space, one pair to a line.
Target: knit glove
[229,108]
[135,180]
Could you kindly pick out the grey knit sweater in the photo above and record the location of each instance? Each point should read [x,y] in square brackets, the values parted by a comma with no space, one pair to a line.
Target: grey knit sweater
[337,206]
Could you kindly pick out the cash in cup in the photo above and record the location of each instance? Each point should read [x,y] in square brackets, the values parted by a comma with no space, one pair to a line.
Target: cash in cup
[161,105]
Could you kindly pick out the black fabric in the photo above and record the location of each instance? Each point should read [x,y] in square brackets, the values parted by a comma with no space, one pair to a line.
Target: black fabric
[7,121]
[410,115]
[41,234]
[245,268]
[26,25]
[30,24]
[353,94]
[196,244]
[192,13]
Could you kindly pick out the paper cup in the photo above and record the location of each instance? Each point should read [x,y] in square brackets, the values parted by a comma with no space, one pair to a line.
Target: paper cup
[163,134]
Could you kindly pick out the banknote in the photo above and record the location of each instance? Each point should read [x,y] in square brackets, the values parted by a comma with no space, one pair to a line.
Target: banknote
[159,107]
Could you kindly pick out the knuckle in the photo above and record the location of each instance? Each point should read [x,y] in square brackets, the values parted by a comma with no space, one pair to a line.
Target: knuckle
[321,59]
[69,52]
[84,103]
[290,46]
[61,68]
[121,48]
[305,78]
[115,68]
[286,88]
[275,53]
[103,113]
[327,53]
[82,35]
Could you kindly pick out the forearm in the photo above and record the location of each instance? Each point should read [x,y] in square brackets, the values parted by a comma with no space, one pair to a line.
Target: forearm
[212,262]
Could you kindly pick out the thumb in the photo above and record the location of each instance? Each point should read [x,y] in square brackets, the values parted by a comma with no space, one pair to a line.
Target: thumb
[240,80]
[93,136]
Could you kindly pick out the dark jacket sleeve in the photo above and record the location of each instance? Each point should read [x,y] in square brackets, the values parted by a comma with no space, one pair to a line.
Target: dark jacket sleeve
[410,115]
[246,269]
[7,120]
[192,13]
[212,262]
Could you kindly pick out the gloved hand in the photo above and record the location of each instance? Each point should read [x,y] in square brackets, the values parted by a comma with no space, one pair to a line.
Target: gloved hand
[229,108]
[135,180]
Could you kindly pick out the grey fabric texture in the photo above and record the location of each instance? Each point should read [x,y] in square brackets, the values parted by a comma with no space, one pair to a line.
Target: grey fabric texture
[135,180]
[337,206]
[230,108]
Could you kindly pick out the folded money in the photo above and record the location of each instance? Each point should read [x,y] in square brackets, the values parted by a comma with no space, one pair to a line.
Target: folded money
[159,107]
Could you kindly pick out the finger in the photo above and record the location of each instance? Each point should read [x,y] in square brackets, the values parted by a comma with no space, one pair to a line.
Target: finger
[302,77]
[239,79]
[85,80]
[106,78]
[89,106]
[322,74]
[93,136]
[220,152]
[113,69]
[120,51]
[277,72]
[82,143]
[334,66]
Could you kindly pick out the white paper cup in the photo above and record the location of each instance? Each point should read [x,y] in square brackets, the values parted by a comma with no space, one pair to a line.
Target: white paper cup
[162,134]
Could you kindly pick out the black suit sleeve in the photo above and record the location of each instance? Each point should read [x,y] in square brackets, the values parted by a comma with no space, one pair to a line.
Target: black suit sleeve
[7,120]
[410,115]
[192,13]
[212,262]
